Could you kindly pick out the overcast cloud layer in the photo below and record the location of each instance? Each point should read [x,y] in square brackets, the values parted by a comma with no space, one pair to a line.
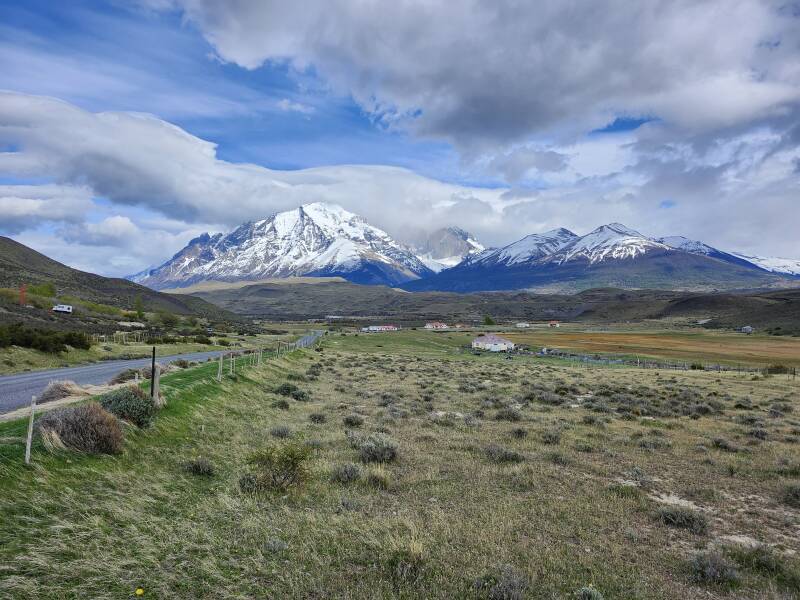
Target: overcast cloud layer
[671,117]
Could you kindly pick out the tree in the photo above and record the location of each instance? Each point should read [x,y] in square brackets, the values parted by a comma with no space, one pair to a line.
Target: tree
[488,320]
[138,306]
[168,320]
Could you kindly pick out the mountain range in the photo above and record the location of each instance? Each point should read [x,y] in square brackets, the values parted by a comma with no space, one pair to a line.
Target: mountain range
[326,240]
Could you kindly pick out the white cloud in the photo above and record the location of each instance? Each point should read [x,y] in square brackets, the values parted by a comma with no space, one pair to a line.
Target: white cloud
[287,105]
[27,206]
[729,191]
[484,73]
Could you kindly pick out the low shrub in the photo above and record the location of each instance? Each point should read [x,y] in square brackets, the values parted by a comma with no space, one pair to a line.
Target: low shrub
[202,467]
[86,428]
[683,518]
[280,467]
[519,432]
[377,447]
[791,494]
[56,390]
[346,473]
[317,418]
[282,404]
[286,389]
[507,584]
[353,420]
[499,454]
[281,432]
[379,478]
[712,567]
[588,592]
[124,376]
[508,414]
[551,437]
[130,404]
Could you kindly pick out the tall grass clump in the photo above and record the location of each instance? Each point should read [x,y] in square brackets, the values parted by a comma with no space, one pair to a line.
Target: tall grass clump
[86,428]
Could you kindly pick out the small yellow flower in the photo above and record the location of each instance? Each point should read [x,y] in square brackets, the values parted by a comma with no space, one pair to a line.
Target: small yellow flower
[139,592]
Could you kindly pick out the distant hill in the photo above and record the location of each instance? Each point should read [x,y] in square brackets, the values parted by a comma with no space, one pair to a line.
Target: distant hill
[301,301]
[22,265]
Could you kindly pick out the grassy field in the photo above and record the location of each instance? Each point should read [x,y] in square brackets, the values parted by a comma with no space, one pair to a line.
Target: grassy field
[705,346]
[513,479]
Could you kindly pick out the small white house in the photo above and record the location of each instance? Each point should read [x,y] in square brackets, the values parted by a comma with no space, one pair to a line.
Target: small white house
[492,343]
[63,308]
[746,329]
[523,325]
[380,328]
[436,325]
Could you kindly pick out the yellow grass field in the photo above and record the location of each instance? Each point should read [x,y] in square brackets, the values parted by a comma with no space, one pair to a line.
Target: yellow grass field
[725,348]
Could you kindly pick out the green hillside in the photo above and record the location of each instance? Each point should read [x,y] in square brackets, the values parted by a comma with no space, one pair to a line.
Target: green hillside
[22,265]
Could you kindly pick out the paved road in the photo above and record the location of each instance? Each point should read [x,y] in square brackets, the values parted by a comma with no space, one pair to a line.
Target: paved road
[16,390]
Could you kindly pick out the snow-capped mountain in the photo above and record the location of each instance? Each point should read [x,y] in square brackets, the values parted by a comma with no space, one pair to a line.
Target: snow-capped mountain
[447,247]
[314,239]
[782,266]
[613,241]
[785,266]
[612,255]
[530,248]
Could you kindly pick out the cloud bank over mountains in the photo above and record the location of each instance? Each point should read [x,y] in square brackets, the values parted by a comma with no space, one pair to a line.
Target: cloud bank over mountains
[670,117]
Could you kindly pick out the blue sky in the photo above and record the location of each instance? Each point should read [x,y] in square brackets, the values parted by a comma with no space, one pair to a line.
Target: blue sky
[502,118]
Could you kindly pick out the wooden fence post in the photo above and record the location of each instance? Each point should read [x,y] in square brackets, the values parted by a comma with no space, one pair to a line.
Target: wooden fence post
[230,366]
[155,387]
[219,371]
[30,432]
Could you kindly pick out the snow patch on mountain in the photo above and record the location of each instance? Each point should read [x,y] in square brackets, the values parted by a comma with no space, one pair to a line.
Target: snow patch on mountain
[678,242]
[785,266]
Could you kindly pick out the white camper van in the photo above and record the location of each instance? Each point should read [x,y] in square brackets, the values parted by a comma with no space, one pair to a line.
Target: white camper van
[63,308]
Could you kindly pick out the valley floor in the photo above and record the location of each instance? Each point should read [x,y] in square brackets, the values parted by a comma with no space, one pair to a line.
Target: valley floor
[513,479]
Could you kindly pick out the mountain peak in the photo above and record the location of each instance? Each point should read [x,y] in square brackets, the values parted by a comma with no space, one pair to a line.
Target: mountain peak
[313,239]
[447,247]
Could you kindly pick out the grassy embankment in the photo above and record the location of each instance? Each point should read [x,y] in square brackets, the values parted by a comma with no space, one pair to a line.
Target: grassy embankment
[568,496]
[16,359]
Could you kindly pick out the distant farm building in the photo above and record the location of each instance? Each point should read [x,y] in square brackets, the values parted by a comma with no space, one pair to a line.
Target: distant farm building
[63,308]
[436,325]
[492,343]
[523,325]
[554,324]
[380,328]
[746,329]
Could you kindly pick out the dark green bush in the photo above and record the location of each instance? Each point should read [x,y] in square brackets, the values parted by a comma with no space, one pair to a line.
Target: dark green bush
[44,340]
[130,404]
